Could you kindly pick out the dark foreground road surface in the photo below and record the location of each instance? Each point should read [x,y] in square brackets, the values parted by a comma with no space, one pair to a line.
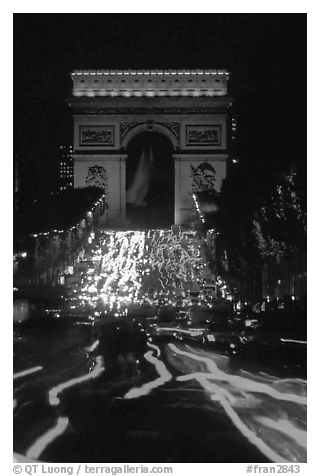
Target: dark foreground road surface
[139,400]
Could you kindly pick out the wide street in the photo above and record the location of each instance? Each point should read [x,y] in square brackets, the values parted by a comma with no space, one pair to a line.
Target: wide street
[110,382]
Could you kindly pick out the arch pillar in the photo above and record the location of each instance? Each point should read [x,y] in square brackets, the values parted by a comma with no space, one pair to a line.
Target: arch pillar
[116,212]
[115,167]
[122,212]
[184,203]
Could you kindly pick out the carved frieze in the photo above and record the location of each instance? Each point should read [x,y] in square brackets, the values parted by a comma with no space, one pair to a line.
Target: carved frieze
[96,135]
[105,110]
[203,135]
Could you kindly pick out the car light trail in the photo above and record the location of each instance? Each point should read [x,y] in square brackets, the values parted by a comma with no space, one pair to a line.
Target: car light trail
[294,380]
[249,434]
[293,341]
[191,332]
[226,400]
[44,441]
[287,428]
[62,422]
[93,346]
[242,382]
[154,347]
[135,267]
[23,373]
[228,397]
[268,376]
[145,389]
[218,357]
[55,391]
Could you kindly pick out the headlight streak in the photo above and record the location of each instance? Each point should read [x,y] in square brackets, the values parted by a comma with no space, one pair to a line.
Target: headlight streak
[120,266]
[154,347]
[276,379]
[55,391]
[37,448]
[226,399]
[130,263]
[293,341]
[207,354]
[48,437]
[23,373]
[251,436]
[145,389]
[260,375]
[191,332]
[92,347]
[242,382]
[287,428]
[268,376]
[294,380]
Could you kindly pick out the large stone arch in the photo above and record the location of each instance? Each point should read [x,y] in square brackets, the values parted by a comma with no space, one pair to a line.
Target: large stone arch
[191,108]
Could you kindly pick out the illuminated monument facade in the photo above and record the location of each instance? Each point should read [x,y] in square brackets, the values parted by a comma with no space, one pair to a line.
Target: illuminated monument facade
[190,108]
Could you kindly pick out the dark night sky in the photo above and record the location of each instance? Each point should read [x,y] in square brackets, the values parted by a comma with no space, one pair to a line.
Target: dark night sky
[266,55]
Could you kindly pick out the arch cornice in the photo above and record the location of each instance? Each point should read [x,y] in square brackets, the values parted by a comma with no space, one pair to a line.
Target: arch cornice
[169,130]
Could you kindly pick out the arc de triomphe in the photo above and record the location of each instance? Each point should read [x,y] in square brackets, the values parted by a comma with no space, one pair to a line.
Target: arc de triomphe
[189,107]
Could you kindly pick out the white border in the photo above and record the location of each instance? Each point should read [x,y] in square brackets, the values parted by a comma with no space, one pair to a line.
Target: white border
[164,6]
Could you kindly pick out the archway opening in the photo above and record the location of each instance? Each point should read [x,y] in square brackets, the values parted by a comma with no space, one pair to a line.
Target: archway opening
[150,181]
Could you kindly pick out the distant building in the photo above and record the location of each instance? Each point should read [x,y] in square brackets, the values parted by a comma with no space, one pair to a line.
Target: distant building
[65,167]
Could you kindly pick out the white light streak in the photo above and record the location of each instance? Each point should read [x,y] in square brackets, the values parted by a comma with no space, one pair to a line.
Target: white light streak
[154,347]
[190,331]
[145,389]
[227,400]
[251,436]
[241,382]
[293,341]
[128,263]
[48,437]
[23,373]
[62,422]
[93,346]
[55,391]
[287,428]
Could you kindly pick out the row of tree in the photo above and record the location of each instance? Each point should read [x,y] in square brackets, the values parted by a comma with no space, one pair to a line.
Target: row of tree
[262,227]
[56,240]
[259,230]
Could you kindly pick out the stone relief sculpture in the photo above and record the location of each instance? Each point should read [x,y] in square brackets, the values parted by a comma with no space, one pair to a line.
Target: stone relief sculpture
[203,178]
[201,135]
[96,135]
[97,177]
